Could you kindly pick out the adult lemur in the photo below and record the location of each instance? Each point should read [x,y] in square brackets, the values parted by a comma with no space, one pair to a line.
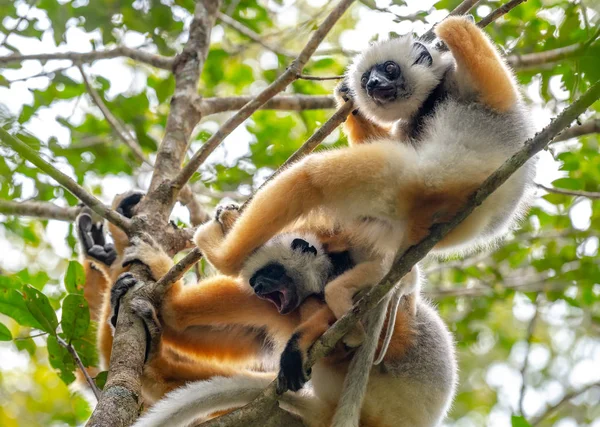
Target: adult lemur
[455,118]
[413,386]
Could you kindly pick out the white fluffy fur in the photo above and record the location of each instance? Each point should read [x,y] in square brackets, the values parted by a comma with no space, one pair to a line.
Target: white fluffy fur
[420,78]
[310,270]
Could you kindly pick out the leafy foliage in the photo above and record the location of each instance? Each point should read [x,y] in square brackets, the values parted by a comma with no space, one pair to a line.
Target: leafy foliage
[548,266]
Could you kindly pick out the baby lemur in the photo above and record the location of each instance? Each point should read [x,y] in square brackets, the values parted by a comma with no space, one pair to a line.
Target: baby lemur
[429,129]
[413,386]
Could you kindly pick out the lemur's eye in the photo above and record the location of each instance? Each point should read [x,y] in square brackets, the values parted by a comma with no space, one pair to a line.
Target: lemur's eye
[391,68]
[303,246]
[364,79]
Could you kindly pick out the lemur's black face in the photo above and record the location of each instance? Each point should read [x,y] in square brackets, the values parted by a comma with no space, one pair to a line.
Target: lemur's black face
[385,82]
[273,283]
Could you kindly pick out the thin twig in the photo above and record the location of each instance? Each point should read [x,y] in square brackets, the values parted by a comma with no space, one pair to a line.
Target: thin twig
[273,89]
[587,128]
[576,193]
[501,11]
[45,210]
[157,61]
[114,123]
[73,352]
[242,29]
[461,9]
[318,78]
[78,191]
[562,401]
[282,102]
[530,330]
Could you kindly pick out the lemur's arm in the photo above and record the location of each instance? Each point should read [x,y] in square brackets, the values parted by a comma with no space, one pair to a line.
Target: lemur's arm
[357,127]
[478,58]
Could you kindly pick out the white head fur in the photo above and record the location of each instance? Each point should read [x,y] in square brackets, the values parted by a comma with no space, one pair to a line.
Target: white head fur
[306,268]
[419,78]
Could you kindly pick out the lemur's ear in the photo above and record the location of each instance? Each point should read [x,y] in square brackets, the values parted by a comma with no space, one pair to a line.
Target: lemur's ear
[423,55]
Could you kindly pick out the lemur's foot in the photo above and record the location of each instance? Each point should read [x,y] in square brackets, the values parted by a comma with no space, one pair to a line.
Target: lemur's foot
[343,94]
[141,307]
[292,375]
[226,215]
[93,241]
[124,283]
[126,207]
[355,337]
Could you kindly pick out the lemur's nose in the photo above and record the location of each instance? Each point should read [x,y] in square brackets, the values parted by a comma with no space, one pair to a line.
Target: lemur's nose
[373,83]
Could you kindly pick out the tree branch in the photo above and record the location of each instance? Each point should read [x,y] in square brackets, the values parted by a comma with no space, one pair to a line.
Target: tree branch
[78,191]
[85,373]
[120,400]
[157,61]
[242,29]
[43,210]
[114,123]
[461,9]
[589,127]
[576,193]
[273,89]
[564,400]
[282,102]
[501,11]
[530,330]
[404,262]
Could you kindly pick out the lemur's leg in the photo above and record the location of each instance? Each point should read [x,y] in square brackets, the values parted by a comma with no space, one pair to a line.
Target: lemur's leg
[357,127]
[97,256]
[476,55]
[340,292]
[317,318]
[338,177]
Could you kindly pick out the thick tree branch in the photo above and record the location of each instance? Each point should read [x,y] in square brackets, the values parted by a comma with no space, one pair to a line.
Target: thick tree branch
[114,123]
[78,191]
[562,401]
[120,401]
[45,210]
[404,263]
[282,102]
[532,60]
[273,89]
[576,193]
[157,61]
[242,29]
[184,114]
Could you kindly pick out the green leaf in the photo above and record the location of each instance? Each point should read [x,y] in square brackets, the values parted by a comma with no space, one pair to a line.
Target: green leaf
[100,379]
[60,358]
[75,278]
[86,346]
[26,344]
[39,306]
[10,282]
[5,334]
[519,421]
[75,317]
[12,304]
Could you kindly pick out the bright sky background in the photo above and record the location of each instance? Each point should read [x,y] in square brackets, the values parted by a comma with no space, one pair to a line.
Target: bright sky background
[503,376]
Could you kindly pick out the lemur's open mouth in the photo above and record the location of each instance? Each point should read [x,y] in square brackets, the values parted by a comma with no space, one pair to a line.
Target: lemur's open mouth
[277,298]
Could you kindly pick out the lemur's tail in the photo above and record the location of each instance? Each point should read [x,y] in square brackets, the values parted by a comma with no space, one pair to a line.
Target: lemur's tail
[202,398]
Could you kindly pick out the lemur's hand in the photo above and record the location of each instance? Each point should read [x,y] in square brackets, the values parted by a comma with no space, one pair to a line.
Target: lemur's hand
[92,238]
[226,215]
[343,94]
[292,375]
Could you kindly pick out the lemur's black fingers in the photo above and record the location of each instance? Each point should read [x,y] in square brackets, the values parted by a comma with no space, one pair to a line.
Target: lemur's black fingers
[97,232]
[470,17]
[100,253]
[223,209]
[291,367]
[146,311]
[84,228]
[124,283]
[128,203]
[282,386]
[226,215]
